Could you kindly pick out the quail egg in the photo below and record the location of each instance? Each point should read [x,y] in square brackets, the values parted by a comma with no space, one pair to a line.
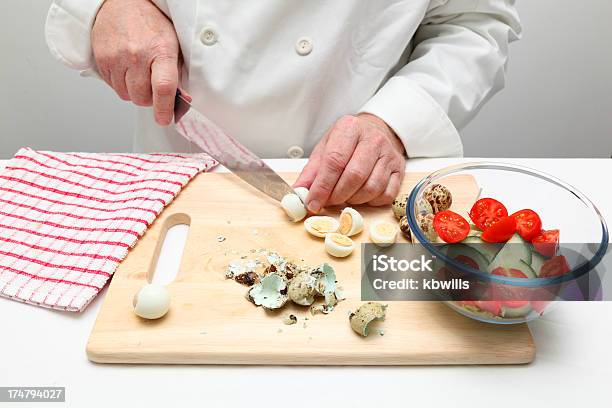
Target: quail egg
[426,225]
[320,225]
[294,206]
[152,301]
[383,233]
[351,222]
[338,245]
[405,228]
[439,197]
[301,192]
[399,205]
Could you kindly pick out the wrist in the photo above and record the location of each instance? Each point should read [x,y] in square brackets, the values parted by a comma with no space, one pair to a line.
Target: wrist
[386,129]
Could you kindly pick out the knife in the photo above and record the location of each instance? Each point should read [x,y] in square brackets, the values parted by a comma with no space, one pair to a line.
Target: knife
[232,154]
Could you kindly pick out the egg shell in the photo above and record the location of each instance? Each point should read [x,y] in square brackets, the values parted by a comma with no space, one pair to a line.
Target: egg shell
[405,228]
[399,205]
[366,314]
[320,225]
[302,289]
[339,245]
[439,197]
[152,301]
[294,207]
[351,222]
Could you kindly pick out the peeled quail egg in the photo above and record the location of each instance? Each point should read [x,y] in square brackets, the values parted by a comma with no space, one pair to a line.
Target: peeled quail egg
[319,225]
[152,301]
[294,206]
[351,222]
[338,245]
[302,192]
[383,233]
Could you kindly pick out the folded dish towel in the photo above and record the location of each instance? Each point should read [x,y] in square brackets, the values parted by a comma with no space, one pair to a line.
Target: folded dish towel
[68,219]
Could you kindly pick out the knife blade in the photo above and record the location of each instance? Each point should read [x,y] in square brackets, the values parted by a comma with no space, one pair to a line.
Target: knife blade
[228,151]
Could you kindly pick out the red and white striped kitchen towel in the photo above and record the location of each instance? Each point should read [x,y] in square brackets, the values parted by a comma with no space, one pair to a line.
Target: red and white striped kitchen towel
[68,219]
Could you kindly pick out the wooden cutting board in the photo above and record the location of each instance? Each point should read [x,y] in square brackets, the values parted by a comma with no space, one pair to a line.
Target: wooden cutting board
[211,322]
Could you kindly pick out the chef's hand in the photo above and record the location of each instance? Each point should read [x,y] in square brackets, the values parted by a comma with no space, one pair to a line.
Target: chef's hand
[137,53]
[360,160]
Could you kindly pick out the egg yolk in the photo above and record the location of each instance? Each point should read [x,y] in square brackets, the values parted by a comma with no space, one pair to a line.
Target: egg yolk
[341,240]
[322,226]
[385,229]
[346,222]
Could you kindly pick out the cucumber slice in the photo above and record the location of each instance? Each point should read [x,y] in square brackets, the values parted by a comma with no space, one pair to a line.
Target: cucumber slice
[474,231]
[514,251]
[487,249]
[514,312]
[537,261]
[455,250]
[527,269]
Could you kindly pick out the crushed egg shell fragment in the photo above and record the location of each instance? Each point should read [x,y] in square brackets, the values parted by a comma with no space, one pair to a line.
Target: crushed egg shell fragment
[320,225]
[361,318]
[339,245]
[270,292]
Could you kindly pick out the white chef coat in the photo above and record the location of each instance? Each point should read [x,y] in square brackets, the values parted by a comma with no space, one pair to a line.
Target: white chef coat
[276,74]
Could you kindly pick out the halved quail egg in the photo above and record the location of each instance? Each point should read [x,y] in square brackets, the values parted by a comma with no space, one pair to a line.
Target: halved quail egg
[320,225]
[383,233]
[338,245]
[351,222]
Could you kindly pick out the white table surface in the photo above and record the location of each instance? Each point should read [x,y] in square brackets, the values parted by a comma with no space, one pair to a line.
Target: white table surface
[573,366]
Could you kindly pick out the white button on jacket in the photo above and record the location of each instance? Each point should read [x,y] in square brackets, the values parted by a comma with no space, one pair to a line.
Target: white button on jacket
[276,73]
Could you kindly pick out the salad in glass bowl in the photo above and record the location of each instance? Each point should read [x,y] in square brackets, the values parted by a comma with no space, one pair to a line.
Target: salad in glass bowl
[524,243]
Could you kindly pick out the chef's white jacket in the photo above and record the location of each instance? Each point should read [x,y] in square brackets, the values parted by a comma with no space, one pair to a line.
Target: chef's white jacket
[276,74]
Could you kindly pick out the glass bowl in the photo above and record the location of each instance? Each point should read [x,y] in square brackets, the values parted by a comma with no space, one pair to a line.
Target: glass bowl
[583,236]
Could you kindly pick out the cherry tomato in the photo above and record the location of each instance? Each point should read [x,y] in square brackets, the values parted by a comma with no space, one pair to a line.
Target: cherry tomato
[510,272]
[555,266]
[491,306]
[486,212]
[466,260]
[528,224]
[450,226]
[547,242]
[501,231]
[514,303]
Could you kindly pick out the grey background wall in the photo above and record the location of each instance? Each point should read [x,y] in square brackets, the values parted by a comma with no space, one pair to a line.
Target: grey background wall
[557,103]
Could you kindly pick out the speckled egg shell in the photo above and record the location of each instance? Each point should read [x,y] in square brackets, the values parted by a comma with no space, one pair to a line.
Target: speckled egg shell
[405,228]
[439,197]
[399,205]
